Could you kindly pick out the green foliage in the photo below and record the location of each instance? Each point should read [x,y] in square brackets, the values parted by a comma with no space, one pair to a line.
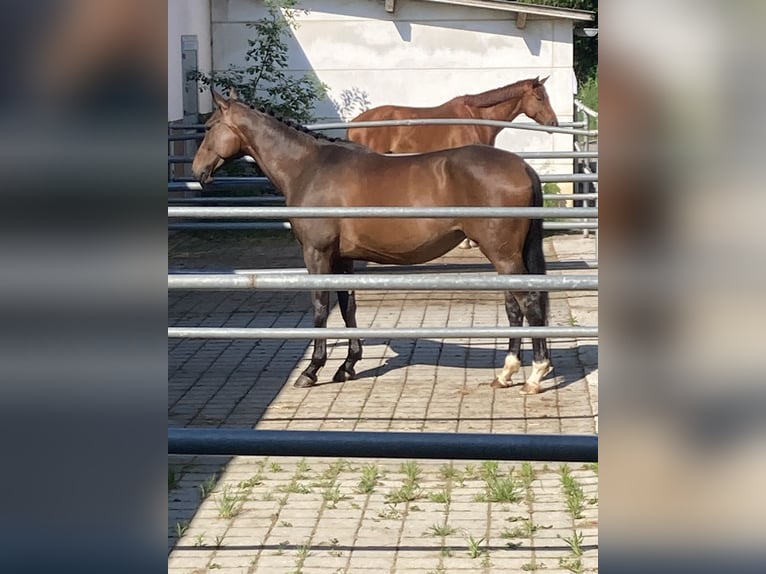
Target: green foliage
[588,93]
[264,80]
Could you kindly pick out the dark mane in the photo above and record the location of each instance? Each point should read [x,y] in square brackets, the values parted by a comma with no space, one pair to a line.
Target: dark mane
[496,96]
[298,126]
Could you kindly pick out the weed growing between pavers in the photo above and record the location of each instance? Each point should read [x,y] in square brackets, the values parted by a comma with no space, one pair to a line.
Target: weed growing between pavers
[504,531]
[573,492]
[370,479]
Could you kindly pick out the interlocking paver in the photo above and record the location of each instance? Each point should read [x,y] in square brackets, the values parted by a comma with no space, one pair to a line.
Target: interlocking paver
[425,385]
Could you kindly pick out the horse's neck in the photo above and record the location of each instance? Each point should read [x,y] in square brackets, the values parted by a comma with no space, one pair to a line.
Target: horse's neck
[282,152]
[504,111]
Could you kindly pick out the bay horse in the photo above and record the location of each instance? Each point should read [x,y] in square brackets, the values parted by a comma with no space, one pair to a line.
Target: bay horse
[502,104]
[313,170]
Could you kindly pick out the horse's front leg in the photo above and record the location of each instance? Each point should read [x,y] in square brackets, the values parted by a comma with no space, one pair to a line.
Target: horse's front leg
[320,300]
[317,262]
[347,303]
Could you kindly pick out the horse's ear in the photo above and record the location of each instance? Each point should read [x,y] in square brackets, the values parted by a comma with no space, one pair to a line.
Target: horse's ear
[233,93]
[220,102]
[543,80]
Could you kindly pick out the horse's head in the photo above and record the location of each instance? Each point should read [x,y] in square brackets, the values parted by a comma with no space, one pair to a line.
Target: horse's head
[536,105]
[221,142]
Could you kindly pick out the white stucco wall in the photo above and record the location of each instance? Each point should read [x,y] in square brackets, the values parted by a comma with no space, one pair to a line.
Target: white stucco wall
[422,54]
[186,17]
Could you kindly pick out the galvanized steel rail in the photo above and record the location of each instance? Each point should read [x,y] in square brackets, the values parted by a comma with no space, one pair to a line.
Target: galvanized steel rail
[379,333]
[379,281]
[239,182]
[368,444]
[270,199]
[523,154]
[278,212]
[273,225]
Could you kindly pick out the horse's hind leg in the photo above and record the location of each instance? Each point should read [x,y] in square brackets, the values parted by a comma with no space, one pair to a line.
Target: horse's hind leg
[512,361]
[347,304]
[534,304]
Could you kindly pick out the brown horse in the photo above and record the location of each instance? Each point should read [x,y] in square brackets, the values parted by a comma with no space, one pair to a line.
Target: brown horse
[311,170]
[503,104]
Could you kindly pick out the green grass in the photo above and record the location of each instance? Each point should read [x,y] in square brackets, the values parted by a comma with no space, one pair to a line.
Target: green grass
[489,470]
[254,480]
[524,530]
[208,486]
[575,543]
[406,493]
[572,564]
[370,478]
[442,497]
[443,529]
[573,492]
[449,472]
[500,490]
[229,502]
[390,512]
[181,528]
[302,469]
[411,469]
[333,496]
[474,547]
[588,93]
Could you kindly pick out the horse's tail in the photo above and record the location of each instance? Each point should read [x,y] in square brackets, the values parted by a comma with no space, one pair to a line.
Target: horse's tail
[534,260]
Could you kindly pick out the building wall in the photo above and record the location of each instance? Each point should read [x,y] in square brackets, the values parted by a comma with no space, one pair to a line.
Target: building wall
[186,17]
[422,54]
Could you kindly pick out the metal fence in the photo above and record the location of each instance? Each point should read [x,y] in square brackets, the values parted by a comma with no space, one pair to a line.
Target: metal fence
[574,448]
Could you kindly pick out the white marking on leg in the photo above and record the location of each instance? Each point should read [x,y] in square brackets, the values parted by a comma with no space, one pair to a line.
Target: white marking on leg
[512,365]
[539,370]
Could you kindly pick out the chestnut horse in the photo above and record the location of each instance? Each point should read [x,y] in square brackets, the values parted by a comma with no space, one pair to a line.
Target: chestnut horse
[503,104]
[312,170]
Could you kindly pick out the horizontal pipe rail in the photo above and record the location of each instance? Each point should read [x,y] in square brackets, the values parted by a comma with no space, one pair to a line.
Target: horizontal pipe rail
[379,333]
[280,198]
[422,268]
[572,128]
[588,111]
[275,225]
[368,444]
[235,182]
[522,154]
[452,121]
[375,282]
[277,212]
[201,127]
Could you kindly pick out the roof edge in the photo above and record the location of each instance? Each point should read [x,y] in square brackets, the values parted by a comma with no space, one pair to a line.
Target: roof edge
[524,8]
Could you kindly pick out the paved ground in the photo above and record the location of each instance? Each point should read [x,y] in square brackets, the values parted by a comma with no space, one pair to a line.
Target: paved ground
[264,515]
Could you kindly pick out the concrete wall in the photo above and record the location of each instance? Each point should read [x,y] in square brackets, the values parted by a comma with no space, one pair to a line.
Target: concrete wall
[422,54]
[186,17]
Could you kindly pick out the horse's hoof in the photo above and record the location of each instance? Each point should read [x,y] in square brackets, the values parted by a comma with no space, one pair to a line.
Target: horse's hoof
[528,389]
[305,381]
[496,384]
[343,375]
[464,245]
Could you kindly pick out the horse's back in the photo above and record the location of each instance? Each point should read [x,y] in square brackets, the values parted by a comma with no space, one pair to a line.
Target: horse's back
[420,138]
